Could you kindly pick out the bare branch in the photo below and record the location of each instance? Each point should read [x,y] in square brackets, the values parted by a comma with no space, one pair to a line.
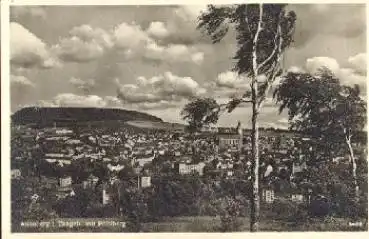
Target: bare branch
[255,42]
[276,46]
[275,70]
[247,22]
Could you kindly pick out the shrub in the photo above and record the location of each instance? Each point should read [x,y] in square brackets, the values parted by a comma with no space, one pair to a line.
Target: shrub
[229,217]
[320,207]
[283,209]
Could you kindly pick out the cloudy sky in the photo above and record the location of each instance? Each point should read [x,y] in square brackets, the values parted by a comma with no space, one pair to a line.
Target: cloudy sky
[152,58]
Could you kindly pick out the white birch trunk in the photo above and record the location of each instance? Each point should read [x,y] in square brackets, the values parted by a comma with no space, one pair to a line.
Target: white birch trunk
[255,201]
[354,167]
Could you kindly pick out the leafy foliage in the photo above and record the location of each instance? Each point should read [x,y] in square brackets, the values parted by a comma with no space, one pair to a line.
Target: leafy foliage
[263,33]
[199,112]
[319,106]
[274,35]
[229,217]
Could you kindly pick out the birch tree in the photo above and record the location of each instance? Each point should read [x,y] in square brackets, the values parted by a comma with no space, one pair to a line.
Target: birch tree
[263,33]
[318,105]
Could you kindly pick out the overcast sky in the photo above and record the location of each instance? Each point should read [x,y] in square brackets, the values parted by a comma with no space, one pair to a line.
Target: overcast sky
[154,59]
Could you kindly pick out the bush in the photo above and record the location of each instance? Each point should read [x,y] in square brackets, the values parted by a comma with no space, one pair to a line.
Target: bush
[282,209]
[355,210]
[320,207]
[229,217]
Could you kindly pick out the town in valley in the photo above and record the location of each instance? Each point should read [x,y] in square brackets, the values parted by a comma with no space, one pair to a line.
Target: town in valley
[187,118]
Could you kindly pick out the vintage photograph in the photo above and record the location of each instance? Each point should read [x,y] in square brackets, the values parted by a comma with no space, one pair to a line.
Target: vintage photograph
[188,118]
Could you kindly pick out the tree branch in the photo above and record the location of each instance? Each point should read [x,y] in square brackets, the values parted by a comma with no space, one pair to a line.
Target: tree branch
[247,22]
[275,70]
[276,46]
[330,109]
[255,43]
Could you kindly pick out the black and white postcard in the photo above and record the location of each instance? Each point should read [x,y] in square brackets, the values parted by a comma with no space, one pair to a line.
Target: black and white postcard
[245,117]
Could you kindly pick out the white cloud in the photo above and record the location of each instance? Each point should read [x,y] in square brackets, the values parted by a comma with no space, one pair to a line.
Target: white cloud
[85,85]
[165,87]
[190,12]
[198,57]
[173,53]
[358,62]
[313,65]
[75,50]
[177,51]
[295,69]
[227,85]
[163,104]
[45,103]
[154,51]
[27,50]
[231,80]
[72,100]
[138,43]
[348,76]
[113,101]
[283,121]
[158,30]
[84,44]
[130,36]
[180,26]
[98,35]
[21,80]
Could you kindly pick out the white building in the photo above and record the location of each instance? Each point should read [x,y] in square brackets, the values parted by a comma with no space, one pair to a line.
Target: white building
[65,182]
[268,195]
[191,168]
[106,198]
[15,174]
[90,182]
[298,167]
[231,137]
[63,131]
[209,129]
[145,182]
[296,197]
[143,161]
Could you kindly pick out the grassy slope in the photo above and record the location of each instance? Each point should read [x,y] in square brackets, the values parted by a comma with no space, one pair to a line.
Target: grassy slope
[154,125]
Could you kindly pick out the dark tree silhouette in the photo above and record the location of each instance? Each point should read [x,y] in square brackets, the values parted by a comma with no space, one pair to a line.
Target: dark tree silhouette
[199,112]
[320,106]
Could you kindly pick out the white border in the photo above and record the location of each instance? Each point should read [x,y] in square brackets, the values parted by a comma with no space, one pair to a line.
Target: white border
[5,129]
[169,2]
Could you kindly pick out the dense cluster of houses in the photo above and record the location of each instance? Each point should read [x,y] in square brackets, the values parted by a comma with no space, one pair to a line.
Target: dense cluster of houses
[219,152]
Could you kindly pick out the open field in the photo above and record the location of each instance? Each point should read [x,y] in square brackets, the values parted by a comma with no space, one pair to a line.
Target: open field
[155,125]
